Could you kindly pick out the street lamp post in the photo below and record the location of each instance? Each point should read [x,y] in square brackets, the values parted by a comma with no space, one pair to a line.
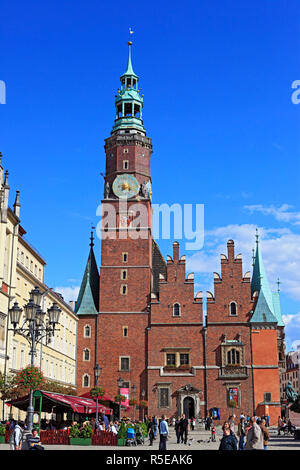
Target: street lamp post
[133,396]
[120,383]
[37,325]
[97,372]
[143,395]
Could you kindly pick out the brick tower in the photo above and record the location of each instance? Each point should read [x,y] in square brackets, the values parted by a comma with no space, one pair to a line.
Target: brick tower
[126,247]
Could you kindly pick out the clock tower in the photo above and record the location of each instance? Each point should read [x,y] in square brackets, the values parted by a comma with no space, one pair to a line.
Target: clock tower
[126,245]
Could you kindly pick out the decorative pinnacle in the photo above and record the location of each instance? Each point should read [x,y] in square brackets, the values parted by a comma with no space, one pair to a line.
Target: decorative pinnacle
[92,237]
[253,256]
[6,179]
[278,285]
[257,236]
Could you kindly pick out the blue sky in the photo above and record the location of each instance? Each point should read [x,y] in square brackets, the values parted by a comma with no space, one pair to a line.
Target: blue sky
[217,79]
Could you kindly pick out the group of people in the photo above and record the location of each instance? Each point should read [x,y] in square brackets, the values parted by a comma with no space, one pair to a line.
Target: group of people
[18,436]
[252,434]
[285,426]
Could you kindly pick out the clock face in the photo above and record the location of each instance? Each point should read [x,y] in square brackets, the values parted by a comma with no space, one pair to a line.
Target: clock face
[125,186]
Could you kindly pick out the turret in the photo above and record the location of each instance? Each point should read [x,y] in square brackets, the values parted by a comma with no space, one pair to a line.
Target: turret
[129,103]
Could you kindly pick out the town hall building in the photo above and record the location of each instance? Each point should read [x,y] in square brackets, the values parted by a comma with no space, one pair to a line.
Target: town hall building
[140,319]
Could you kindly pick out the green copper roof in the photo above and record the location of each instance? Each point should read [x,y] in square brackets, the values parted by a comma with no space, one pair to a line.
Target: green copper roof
[129,70]
[267,308]
[88,297]
[129,102]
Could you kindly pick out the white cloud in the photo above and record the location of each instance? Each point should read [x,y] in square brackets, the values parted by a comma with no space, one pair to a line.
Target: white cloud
[68,293]
[281,213]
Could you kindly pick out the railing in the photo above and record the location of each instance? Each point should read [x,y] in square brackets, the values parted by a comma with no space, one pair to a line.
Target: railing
[233,371]
[61,437]
[54,436]
[104,438]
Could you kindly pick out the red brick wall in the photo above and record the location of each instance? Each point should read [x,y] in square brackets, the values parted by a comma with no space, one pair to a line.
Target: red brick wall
[85,367]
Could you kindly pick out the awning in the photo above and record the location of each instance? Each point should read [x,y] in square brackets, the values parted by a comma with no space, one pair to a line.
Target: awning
[64,402]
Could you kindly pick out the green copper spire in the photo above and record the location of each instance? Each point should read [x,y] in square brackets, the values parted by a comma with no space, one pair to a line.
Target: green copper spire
[88,297]
[267,308]
[129,102]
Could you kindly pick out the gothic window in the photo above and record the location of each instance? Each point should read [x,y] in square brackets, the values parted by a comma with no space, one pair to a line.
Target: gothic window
[86,380]
[86,354]
[233,309]
[125,257]
[124,274]
[125,331]
[233,357]
[176,310]
[124,364]
[125,164]
[163,397]
[87,331]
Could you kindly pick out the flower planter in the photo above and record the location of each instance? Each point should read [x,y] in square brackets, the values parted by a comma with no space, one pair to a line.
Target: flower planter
[121,441]
[2,439]
[80,441]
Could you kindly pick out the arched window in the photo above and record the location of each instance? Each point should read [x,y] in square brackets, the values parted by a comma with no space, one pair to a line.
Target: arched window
[233,357]
[232,308]
[176,310]
[87,331]
[86,354]
[86,380]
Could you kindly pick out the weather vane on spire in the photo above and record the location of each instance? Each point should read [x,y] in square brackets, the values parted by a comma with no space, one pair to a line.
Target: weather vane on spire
[130,33]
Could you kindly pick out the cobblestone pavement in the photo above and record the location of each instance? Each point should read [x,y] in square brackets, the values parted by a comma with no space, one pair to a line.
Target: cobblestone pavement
[198,440]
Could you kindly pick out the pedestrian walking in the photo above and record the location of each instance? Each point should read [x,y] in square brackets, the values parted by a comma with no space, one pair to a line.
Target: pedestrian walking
[15,440]
[163,433]
[228,441]
[184,426]
[255,439]
[266,434]
[151,430]
[155,426]
[242,433]
[177,429]
[213,433]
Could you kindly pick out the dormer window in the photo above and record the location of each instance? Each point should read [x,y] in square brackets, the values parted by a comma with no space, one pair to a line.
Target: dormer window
[233,357]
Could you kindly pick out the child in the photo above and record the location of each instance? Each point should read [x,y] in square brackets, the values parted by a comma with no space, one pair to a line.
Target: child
[213,433]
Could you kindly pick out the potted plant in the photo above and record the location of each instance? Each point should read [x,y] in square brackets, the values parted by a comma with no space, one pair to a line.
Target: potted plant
[2,433]
[122,434]
[81,436]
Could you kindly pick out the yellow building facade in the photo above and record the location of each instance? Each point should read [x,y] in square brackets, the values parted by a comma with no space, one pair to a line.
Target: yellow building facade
[21,269]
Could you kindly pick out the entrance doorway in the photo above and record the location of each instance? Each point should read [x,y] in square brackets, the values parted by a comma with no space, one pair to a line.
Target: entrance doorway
[189,407]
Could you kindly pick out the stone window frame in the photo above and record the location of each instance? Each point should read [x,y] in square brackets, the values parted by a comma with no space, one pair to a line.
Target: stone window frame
[122,290]
[177,353]
[126,254]
[179,309]
[236,309]
[120,363]
[125,164]
[83,355]
[234,385]
[84,331]
[122,274]
[83,380]
[168,386]
[266,398]
[226,347]
[125,150]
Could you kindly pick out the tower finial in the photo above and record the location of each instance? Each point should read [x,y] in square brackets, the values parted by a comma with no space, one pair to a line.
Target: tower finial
[253,256]
[278,285]
[257,236]
[92,237]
